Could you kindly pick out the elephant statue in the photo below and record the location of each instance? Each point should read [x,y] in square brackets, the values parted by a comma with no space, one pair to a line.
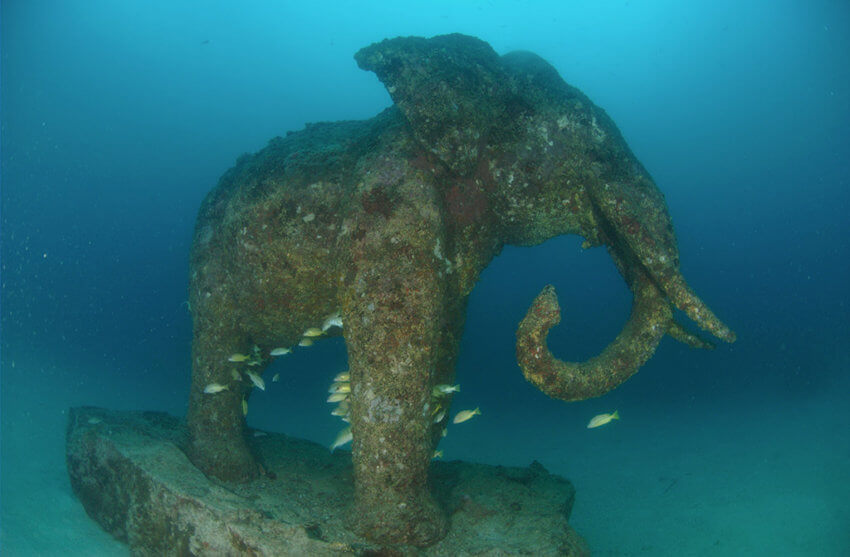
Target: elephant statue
[387,223]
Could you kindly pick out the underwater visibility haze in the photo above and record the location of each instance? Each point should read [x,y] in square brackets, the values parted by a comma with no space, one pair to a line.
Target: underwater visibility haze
[218,214]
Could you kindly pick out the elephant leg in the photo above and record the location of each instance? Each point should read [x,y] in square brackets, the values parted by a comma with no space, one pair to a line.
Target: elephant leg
[391,338]
[395,311]
[216,421]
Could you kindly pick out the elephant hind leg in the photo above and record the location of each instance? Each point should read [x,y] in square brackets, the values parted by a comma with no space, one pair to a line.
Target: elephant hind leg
[217,445]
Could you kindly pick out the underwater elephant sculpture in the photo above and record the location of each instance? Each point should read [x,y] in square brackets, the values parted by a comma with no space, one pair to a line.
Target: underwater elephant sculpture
[388,223]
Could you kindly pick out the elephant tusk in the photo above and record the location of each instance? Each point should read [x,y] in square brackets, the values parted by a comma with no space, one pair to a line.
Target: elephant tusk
[686,300]
[678,332]
[649,321]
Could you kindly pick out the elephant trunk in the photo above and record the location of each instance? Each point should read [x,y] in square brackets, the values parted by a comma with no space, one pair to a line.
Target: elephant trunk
[570,381]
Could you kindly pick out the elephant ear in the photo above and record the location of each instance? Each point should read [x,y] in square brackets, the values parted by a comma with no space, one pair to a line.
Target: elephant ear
[450,88]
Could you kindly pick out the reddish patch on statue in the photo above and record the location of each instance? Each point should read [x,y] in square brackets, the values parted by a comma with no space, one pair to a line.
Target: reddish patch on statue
[466,202]
[377,201]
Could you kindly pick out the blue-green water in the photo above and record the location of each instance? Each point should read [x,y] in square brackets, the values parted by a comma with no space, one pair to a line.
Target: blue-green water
[118,117]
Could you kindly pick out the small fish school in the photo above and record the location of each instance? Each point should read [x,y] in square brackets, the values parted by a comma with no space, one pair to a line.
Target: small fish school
[340,388]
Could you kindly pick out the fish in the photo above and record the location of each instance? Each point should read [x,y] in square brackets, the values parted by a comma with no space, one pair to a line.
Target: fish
[464,415]
[237,358]
[280,352]
[342,438]
[275,378]
[602,419]
[313,332]
[439,416]
[256,380]
[235,375]
[342,376]
[438,454]
[244,407]
[94,420]
[341,409]
[305,342]
[343,387]
[214,388]
[440,390]
[337,397]
[333,320]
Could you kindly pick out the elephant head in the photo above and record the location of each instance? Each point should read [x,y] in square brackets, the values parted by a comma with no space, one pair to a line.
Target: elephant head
[550,162]
[390,222]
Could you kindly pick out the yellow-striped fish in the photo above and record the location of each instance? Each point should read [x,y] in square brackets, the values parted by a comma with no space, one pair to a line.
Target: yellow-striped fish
[214,388]
[237,358]
[343,387]
[313,332]
[256,380]
[602,419]
[337,397]
[440,390]
[333,320]
[464,415]
[342,438]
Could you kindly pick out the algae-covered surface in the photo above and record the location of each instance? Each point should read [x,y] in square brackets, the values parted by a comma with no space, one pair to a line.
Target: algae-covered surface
[129,470]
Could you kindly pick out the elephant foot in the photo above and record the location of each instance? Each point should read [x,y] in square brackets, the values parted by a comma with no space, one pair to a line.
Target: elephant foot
[222,454]
[418,522]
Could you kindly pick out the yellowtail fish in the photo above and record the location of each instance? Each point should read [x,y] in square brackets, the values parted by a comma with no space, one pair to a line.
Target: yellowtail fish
[342,438]
[275,378]
[337,397]
[344,387]
[333,320]
[244,407]
[440,390]
[439,416]
[256,380]
[313,332]
[464,415]
[238,358]
[602,419]
[280,352]
[438,454]
[305,342]
[342,376]
[214,388]
[341,410]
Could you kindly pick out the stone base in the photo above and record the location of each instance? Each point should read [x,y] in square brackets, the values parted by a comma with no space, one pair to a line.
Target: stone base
[132,476]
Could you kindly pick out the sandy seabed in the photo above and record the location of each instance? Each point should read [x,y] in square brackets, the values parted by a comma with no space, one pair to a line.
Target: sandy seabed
[731,478]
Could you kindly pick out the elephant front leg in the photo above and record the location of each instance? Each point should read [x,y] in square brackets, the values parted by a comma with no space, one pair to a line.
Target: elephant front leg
[216,420]
[394,316]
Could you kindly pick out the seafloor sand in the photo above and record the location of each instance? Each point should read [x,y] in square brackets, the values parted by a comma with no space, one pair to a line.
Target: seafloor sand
[734,478]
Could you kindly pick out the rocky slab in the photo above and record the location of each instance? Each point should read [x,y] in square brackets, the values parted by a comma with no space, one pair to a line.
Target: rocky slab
[132,476]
